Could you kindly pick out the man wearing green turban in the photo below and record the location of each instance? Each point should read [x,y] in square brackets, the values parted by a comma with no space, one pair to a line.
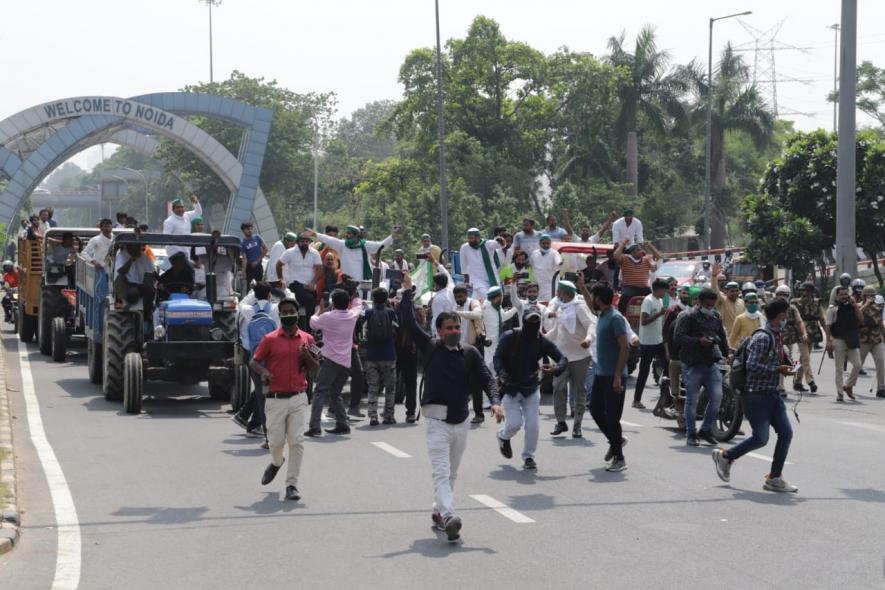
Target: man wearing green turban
[353,251]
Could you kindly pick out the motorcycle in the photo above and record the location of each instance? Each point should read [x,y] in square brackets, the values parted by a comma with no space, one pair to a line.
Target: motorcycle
[10,304]
[731,414]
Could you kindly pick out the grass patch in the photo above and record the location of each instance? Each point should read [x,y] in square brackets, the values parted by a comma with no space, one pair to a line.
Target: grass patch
[4,490]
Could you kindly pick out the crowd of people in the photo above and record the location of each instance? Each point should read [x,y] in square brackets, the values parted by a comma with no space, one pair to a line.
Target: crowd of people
[491,337]
[514,317]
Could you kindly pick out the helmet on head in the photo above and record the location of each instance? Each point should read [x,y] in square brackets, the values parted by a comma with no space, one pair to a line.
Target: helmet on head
[869,290]
[858,284]
[748,287]
[8,266]
[782,290]
[807,286]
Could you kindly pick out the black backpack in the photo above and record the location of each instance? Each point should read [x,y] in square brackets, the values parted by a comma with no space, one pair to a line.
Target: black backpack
[379,328]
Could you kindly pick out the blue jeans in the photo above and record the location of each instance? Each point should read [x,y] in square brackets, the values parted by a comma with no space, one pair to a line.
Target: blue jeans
[764,410]
[694,377]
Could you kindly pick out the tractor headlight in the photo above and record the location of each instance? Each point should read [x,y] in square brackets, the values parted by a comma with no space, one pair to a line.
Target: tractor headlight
[159,333]
[217,334]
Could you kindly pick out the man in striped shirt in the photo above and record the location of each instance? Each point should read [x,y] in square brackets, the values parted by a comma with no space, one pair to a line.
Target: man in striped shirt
[636,268]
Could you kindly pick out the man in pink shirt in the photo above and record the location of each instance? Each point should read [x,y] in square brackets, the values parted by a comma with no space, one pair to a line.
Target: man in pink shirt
[337,326]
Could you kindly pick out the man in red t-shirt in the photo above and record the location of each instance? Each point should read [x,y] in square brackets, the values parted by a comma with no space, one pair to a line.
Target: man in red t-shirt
[10,280]
[283,360]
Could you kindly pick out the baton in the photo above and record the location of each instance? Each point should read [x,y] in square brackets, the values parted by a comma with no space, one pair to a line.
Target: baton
[821,366]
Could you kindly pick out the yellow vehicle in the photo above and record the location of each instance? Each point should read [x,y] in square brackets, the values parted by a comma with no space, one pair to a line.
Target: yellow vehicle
[30,277]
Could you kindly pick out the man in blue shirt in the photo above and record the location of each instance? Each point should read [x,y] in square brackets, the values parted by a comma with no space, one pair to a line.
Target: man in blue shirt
[254,250]
[607,397]
[381,334]
[762,403]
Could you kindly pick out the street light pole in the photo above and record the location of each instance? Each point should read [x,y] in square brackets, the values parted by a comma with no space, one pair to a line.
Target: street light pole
[443,188]
[835,28]
[316,148]
[211,3]
[846,222]
[709,143]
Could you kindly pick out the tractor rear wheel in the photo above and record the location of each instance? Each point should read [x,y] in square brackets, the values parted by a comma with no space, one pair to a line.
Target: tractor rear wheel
[119,338]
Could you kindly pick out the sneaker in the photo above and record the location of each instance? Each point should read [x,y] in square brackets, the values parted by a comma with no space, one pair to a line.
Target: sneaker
[529,463]
[504,447]
[670,414]
[240,421]
[576,433]
[389,421]
[373,421]
[478,419]
[880,393]
[313,432]
[611,451]
[410,418]
[723,465]
[798,387]
[355,412]
[707,437]
[292,493]
[638,405]
[692,440]
[812,386]
[438,523]
[255,432]
[617,465]
[339,430]
[779,484]
[453,528]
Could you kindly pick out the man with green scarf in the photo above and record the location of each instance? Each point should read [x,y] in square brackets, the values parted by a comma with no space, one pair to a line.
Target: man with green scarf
[354,252]
[478,263]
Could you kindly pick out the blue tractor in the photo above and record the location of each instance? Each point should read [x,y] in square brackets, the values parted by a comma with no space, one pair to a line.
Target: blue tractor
[180,331]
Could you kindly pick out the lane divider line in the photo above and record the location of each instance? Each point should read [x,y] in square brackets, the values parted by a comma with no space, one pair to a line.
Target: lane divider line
[865,426]
[68,556]
[765,458]
[502,509]
[631,424]
[388,448]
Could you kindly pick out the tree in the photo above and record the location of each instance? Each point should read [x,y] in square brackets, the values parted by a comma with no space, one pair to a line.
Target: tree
[738,108]
[647,89]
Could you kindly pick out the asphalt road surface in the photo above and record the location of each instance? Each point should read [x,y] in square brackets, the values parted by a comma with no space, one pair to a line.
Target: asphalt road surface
[172,499]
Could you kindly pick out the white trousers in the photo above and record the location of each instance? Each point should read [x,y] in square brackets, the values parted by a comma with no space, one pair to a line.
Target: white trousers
[445,446]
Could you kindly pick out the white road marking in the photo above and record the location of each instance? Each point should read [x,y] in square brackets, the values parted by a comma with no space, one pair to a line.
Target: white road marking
[68,556]
[865,425]
[502,509]
[392,450]
[765,458]
[631,424]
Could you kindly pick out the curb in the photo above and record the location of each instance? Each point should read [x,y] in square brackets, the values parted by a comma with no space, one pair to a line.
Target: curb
[9,515]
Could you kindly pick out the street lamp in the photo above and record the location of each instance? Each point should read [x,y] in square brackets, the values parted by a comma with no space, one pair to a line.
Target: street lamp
[144,180]
[210,4]
[709,148]
[443,187]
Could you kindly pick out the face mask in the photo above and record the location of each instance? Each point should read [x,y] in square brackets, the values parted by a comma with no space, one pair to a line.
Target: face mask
[352,242]
[783,324]
[706,312]
[544,250]
[452,339]
[666,300]
[288,320]
[531,329]
[532,298]
[752,307]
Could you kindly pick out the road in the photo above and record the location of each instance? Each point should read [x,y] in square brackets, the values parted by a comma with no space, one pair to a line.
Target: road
[172,499]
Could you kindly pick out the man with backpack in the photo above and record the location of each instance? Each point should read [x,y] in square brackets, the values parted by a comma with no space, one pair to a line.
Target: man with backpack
[517,366]
[381,327]
[444,401]
[759,364]
[256,321]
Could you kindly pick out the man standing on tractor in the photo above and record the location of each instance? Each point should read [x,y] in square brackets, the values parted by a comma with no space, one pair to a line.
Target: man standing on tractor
[636,268]
[253,252]
[97,247]
[179,223]
[353,251]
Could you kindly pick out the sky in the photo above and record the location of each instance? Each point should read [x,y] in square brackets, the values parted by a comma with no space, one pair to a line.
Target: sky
[56,49]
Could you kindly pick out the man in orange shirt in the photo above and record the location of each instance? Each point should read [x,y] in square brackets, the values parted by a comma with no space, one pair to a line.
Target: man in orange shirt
[10,281]
[636,268]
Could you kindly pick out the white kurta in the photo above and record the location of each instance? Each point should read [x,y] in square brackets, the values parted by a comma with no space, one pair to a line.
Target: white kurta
[275,252]
[352,258]
[621,231]
[492,327]
[180,225]
[473,266]
[545,266]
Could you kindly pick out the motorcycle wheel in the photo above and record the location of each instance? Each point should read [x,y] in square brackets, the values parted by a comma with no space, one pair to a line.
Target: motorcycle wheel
[731,415]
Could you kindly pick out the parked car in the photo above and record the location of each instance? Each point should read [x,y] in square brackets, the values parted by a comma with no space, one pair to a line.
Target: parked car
[686,272]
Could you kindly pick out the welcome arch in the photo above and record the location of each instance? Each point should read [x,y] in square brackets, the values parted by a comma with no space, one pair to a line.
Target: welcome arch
[34,141]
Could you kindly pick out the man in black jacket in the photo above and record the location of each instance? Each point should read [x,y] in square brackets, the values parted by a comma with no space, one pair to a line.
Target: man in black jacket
[447,371]
[516,363]
[702,344]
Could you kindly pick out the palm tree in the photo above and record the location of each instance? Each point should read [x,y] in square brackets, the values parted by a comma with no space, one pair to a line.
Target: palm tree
[647,88]
[737,108]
